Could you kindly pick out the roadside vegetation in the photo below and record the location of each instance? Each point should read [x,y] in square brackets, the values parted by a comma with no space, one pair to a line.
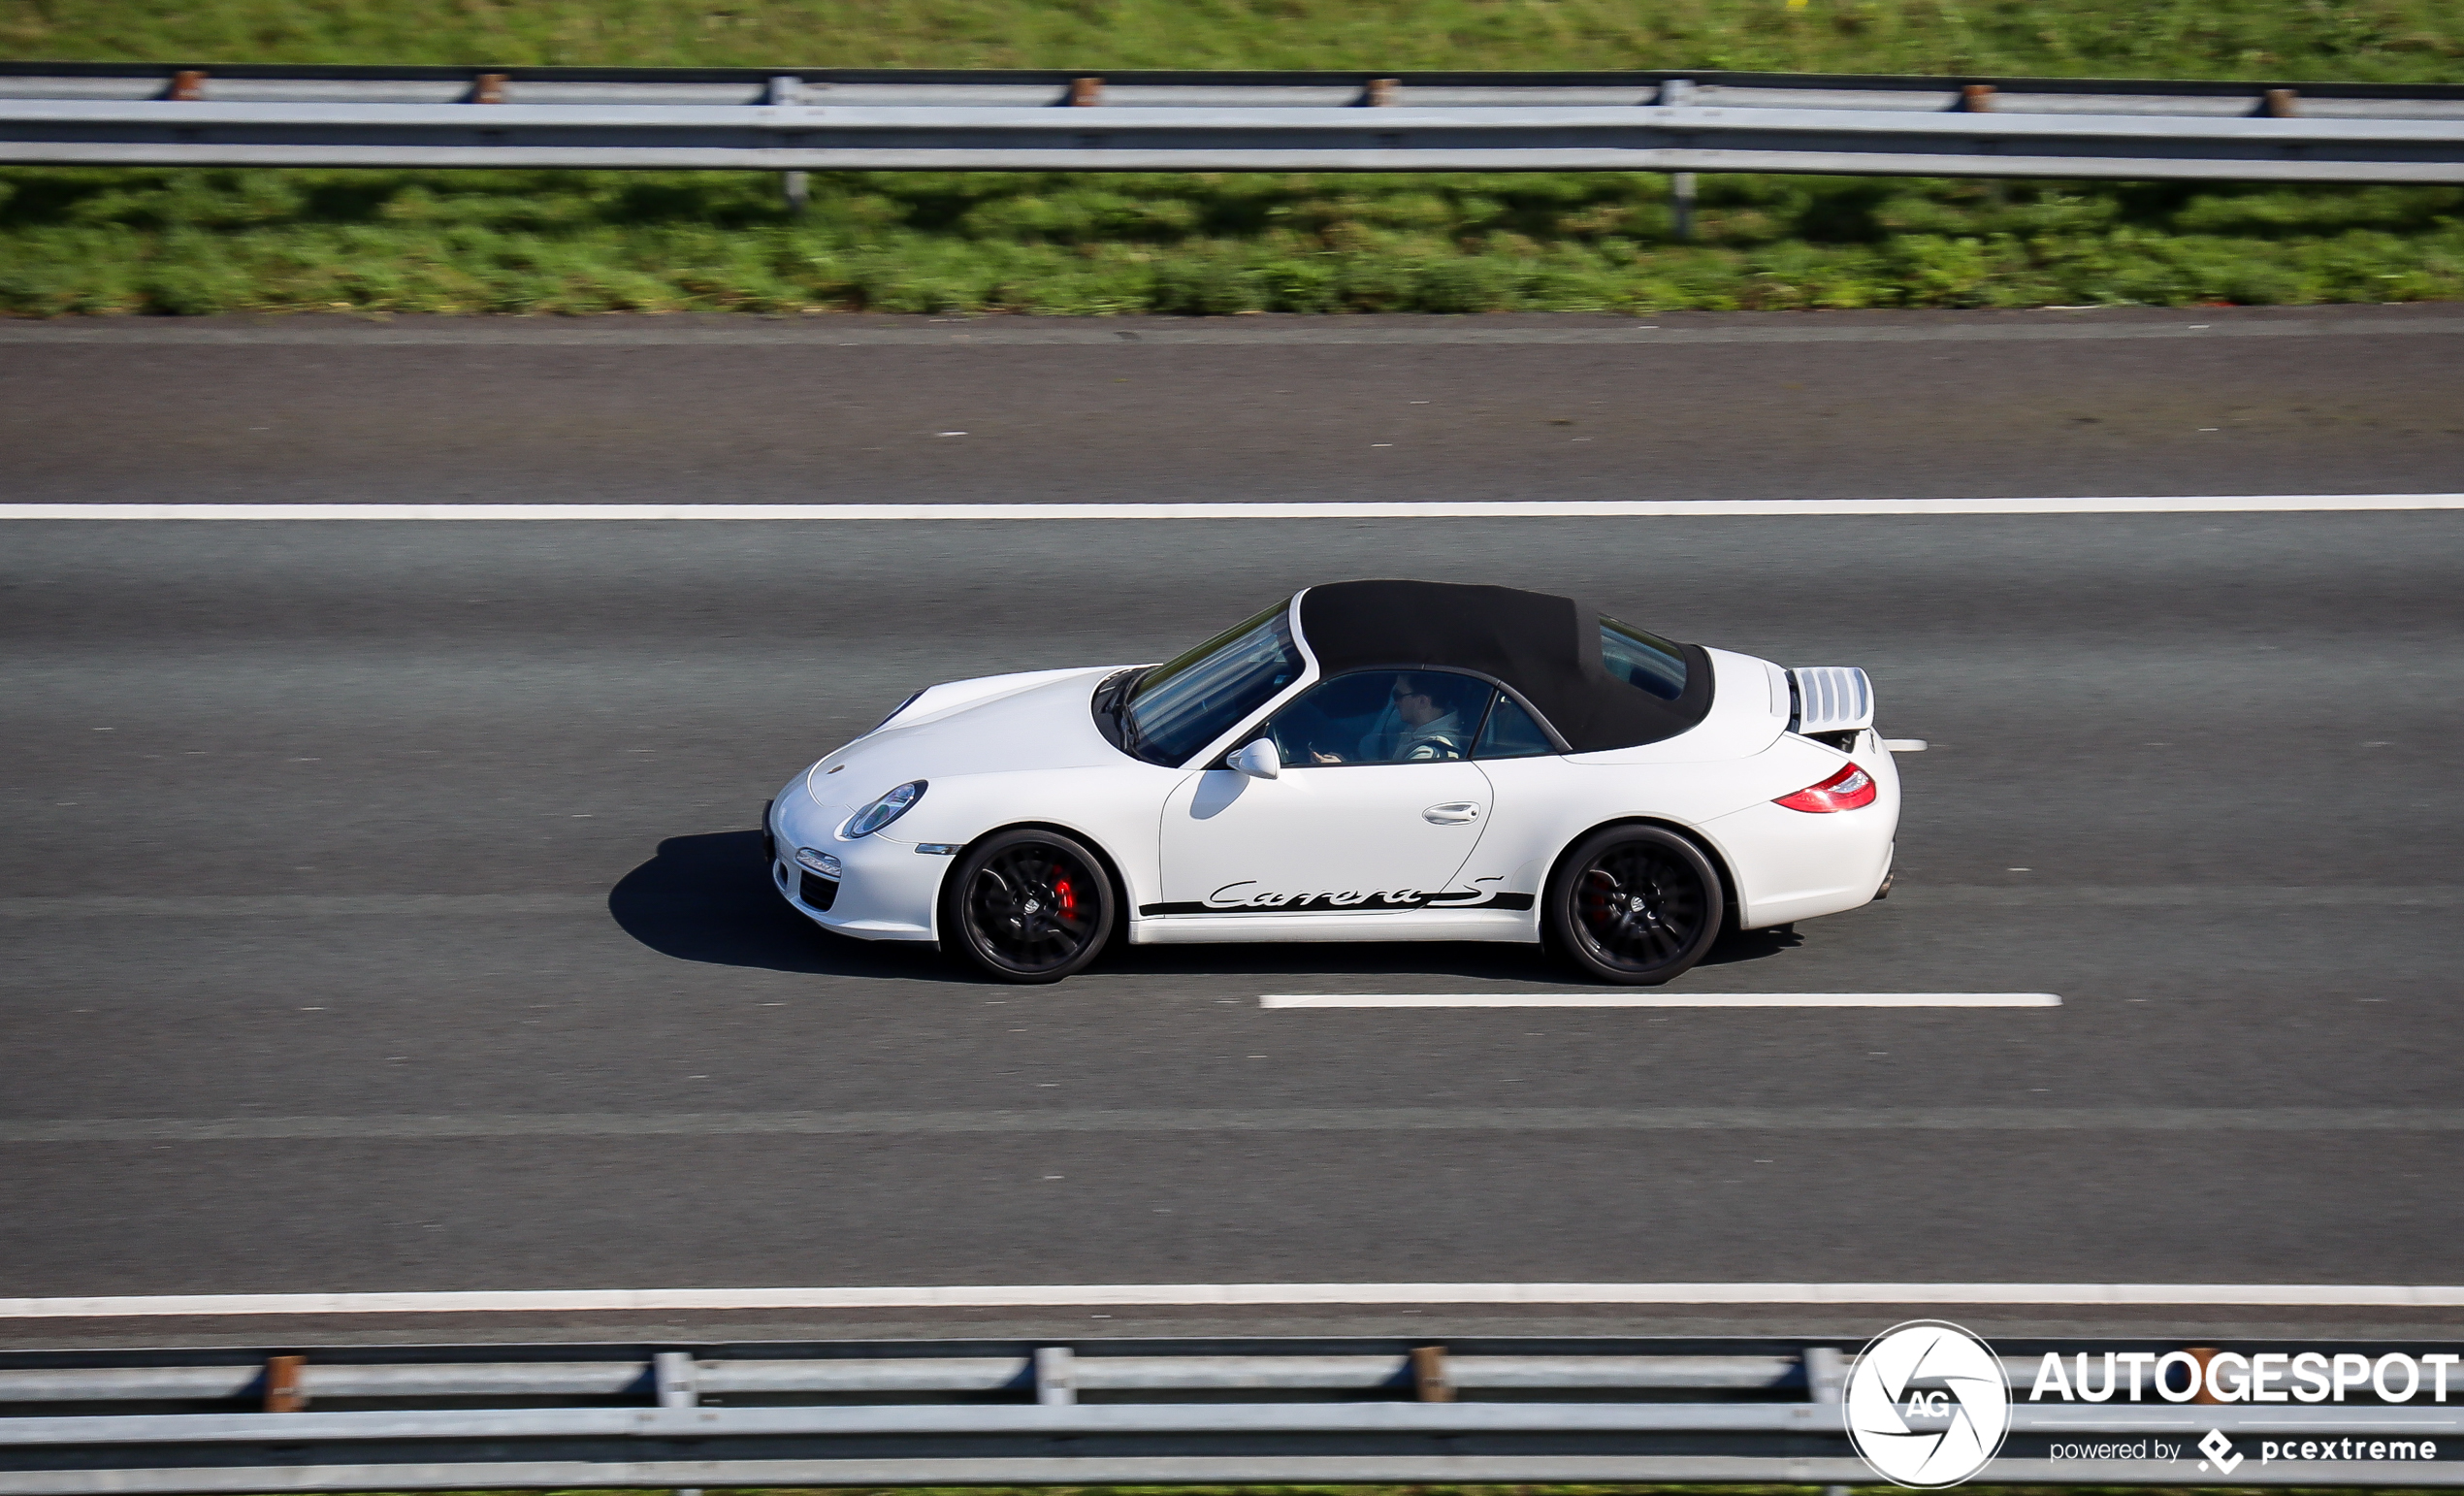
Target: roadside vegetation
[197,242]
[2387,41]
[155,241]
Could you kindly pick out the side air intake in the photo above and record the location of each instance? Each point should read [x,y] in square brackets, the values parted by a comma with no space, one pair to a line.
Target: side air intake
[1831,698]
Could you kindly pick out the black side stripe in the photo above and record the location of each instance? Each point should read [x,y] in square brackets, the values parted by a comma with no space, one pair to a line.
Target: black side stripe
[1500,901]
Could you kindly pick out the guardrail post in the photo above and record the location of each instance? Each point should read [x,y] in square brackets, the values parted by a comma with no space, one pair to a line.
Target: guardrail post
[187,85]
[1826,1375]
[787,88]
[1055,1376]
[1826,1383]
[1675,91]
[1428,1380]
[1978,99]
[282,1391]
[1085,92]
[1380,92]
[488,89]
[2280,104]
[2202,1355]
[677,1376]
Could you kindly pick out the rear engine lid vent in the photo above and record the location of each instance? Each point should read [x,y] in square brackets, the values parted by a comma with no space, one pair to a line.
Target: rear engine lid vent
[1831,698]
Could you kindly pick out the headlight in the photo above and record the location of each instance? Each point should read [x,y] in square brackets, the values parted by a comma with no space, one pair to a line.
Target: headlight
[881,812]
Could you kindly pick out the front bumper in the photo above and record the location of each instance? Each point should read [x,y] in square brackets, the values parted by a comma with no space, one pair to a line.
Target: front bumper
[886,891]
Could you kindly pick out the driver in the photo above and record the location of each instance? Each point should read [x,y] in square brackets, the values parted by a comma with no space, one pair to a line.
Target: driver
[1428,726]
[1432,728]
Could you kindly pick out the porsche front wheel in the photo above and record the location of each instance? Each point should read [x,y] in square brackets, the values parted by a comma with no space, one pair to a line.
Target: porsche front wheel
[1634,904]
[1028,906]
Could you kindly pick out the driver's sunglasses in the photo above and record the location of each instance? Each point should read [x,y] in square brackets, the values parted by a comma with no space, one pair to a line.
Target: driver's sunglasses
[1402,695]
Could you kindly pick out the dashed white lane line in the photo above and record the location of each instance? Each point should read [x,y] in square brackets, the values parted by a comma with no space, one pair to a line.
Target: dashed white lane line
[1660,1000]
[1072,1295]
[1604,509]
[1015,1122]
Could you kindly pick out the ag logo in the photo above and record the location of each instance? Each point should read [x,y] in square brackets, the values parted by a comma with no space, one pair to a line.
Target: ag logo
[1928,1405]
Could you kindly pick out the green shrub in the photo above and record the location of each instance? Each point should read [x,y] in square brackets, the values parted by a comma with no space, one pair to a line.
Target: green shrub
[141,240]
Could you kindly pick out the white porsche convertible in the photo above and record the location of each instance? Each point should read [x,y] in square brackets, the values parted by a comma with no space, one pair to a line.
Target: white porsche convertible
[1363,761]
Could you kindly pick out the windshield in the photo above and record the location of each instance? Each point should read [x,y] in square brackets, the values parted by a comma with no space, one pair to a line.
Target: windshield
[1643,660]
[1182,704]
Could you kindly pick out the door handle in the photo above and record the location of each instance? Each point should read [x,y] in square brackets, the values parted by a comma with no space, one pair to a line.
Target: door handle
[1451,813]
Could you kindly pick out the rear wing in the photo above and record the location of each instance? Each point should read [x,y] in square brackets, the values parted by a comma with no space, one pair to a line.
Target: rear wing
[1830,698]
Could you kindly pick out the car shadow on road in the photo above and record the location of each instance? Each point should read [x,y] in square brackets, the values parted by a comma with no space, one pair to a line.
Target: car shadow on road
[709,898]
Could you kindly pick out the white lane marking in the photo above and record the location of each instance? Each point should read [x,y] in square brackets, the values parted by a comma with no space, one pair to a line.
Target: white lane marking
[1073,1295]
[444,1127]
[1484,509]
[1904,744]
[1660,1000]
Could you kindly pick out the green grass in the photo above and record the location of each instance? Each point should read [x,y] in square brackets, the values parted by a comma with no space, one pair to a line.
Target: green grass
[136,241]
[2405,40]
[194,242]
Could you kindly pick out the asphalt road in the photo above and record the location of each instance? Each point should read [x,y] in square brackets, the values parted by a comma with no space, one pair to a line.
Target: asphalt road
[1857,404]
[320,833]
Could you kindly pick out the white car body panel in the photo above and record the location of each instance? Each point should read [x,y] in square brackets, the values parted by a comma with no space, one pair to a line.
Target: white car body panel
[934,702]
[1358,837]
[1332,929]
[1322,853]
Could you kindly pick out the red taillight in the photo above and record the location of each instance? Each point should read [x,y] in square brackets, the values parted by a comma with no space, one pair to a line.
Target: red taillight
[1847,790]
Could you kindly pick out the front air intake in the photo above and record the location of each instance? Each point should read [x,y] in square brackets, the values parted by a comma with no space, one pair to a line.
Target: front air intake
[1831,699]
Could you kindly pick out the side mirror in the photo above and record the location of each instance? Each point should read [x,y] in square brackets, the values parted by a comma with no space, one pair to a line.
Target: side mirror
[1259,760]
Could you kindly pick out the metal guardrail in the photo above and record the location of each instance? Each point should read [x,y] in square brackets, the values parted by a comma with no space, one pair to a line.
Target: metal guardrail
[833,119]
[915,1413]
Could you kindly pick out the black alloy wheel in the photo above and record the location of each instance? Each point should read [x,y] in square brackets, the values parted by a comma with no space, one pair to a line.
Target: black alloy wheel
[1028,906]
[1635,905]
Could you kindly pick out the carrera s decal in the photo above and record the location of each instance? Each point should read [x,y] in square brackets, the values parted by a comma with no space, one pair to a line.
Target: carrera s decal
[1251,897]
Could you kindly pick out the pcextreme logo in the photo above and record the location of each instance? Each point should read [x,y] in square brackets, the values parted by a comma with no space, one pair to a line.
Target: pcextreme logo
[1928,1405]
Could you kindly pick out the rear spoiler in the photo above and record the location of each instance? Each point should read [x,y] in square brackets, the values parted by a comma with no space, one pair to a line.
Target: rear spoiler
[1830,698]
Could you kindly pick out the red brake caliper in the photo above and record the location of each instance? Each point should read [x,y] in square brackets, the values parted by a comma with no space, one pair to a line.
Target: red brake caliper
[1599,894]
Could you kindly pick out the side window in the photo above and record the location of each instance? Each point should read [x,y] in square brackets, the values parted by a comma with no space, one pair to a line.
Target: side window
[1642,660]
[1511,734]
[1381,717]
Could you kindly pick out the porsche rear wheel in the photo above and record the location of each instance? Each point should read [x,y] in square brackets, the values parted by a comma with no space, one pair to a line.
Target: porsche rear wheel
[1635,905]
[1028,906]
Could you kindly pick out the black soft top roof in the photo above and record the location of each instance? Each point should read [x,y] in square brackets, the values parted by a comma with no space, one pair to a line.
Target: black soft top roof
[1546,647]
